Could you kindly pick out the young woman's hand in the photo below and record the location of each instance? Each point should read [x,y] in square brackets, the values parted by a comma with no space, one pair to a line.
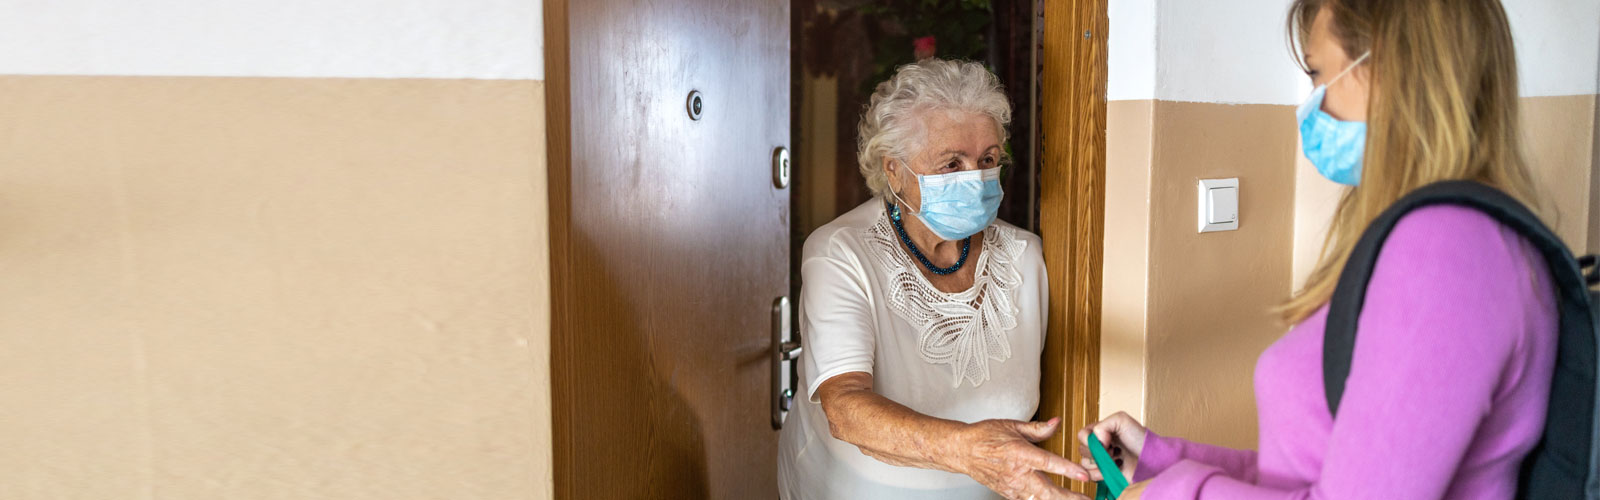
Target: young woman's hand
[1134,491]
[1001,455]
[1123,437]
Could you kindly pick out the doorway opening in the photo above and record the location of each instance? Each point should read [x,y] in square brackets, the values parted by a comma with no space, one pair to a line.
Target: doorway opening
[1051,58]
[843,48]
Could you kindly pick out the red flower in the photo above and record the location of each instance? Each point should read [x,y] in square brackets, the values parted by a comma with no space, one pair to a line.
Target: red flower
[924,47]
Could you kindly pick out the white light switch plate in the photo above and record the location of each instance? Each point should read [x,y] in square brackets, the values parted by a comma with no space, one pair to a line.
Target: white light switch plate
[1218,209]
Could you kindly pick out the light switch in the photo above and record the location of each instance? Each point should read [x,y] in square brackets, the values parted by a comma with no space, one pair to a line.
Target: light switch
[1224,205]
[1219,204]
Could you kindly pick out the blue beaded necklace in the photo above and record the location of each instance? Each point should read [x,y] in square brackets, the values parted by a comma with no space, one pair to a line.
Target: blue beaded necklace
[966,244]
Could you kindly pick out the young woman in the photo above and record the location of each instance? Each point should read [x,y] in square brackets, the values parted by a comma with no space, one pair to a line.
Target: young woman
[1450,378]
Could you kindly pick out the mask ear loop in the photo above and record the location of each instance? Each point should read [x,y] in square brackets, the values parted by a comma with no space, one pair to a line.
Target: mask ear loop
[1347,69]
[896,194]
[1341,74]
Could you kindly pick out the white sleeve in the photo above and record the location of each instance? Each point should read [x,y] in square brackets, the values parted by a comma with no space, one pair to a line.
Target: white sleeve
[1035,253]
[836,320]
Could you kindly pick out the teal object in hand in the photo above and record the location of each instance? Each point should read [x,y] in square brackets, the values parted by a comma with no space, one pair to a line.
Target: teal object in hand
[1113,482]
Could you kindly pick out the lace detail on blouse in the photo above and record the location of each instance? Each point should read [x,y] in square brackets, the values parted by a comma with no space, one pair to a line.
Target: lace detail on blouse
[964,329]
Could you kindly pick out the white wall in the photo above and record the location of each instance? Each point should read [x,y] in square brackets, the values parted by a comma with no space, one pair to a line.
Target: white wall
[1225,52]
[1179,50]
[1236,52]
[1558,44]
[1131,50]
[490,39]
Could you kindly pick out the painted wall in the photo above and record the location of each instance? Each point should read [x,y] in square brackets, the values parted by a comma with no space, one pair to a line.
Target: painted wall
[257,269]
[1131,50]
[1125,286]
[1234,51]
[1210,293]
[488,39]
[1594,178]
[1208,89]
[1193,92]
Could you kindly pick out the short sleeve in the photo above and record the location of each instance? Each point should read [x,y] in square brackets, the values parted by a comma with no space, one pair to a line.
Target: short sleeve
[836,316]
[1034,253]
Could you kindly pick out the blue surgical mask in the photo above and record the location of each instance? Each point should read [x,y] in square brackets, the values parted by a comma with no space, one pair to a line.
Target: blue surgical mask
[1335,147]
[958,204]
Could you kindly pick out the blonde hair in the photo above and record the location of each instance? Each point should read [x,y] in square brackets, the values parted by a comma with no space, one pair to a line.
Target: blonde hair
[890,127]
[1442,106]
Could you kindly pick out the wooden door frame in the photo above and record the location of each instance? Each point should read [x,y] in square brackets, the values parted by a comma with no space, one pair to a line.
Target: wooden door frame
[558,147]
[1072,164]
[1072,192]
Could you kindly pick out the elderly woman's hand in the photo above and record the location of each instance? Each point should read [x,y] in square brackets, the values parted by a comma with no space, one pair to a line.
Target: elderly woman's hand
[1001,454]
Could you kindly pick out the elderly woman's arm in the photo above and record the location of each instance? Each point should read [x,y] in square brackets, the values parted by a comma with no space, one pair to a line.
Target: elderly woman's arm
[997,453]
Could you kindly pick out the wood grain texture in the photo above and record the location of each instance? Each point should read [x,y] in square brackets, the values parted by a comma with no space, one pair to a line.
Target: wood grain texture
[669,244]
[1072,206]
[558,148]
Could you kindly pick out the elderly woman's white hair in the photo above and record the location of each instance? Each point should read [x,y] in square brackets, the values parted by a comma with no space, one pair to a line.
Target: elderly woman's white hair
[891,128]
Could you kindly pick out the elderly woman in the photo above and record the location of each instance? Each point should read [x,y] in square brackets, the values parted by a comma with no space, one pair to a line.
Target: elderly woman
[922,315]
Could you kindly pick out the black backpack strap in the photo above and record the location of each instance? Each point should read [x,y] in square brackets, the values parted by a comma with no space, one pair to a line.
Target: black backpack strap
[1567,446]
[1592,264]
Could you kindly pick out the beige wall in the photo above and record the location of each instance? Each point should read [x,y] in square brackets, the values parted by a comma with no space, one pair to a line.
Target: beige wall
[1559,141]
[1594,182]
[1210,293]
[1315,199]
[1187,314]
[1125,287]
[273,288]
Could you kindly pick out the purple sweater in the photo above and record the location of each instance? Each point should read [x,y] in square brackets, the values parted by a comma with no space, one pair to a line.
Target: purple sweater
[1446,394]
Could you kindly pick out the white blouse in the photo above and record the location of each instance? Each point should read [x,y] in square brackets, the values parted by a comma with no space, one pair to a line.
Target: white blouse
[967,356]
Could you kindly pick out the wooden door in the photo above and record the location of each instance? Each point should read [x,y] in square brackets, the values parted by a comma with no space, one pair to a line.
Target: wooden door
[1072,213]
[669,244]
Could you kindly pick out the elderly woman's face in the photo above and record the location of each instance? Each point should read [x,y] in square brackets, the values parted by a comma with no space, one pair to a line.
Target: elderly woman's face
[953,141]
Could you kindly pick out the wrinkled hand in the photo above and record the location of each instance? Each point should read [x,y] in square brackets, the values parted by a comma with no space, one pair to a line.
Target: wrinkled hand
[1123,437]
[1000,455]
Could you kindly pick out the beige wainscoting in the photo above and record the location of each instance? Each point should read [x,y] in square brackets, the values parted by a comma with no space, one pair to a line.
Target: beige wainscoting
[1125,288]
[1187,313]
[1210,293]
[1559,142]
[273,288]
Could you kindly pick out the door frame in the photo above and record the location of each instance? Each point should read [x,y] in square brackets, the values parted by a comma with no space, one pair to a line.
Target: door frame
[1072,192]
[558,148]
[1072,163]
